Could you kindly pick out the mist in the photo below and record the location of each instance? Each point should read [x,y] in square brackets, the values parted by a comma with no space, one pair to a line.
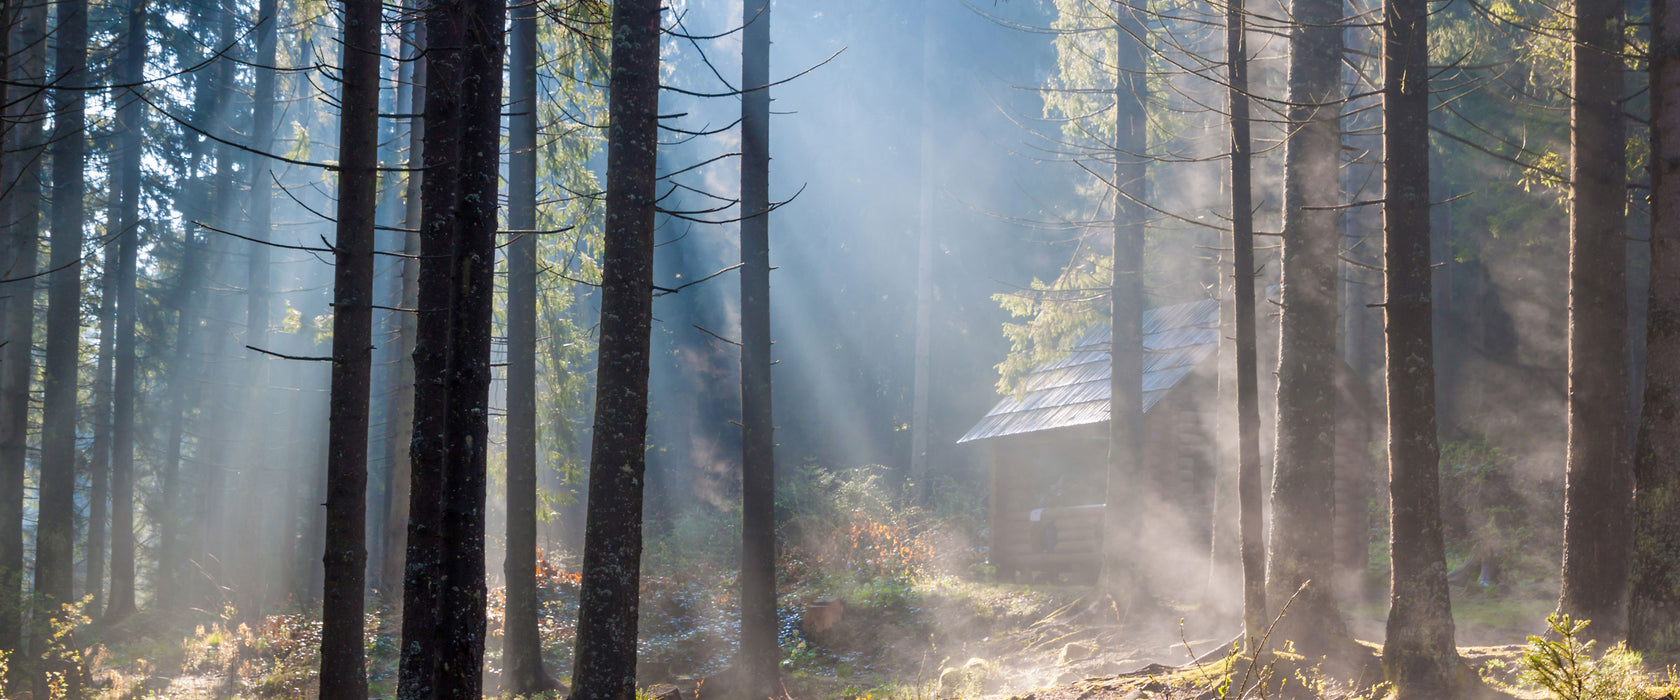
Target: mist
[947,504]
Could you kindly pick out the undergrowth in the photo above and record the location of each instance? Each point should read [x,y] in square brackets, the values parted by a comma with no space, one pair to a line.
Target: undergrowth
[1562,665]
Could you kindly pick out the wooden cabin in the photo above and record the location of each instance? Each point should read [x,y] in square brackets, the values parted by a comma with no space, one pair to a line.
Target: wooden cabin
[1048,450]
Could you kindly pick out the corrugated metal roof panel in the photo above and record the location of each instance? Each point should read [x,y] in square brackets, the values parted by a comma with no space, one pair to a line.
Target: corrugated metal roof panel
[1074,390]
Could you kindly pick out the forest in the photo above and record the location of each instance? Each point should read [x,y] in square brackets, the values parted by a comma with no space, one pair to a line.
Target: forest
[1043,349]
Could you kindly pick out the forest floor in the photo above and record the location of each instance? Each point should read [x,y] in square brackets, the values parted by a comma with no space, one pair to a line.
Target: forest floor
[923,639]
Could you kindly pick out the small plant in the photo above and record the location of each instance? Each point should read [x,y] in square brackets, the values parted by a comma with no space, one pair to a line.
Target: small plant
[1565,668]
[61,662]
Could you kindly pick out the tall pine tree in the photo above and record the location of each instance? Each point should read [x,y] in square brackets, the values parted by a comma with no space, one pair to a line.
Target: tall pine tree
[1598,486]
[343,663]
[522,672]
[1654,606]
[604,666]
[1419,656]
[759,657]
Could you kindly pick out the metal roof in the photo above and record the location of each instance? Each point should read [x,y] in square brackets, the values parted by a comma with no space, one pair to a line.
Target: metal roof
[1074,390]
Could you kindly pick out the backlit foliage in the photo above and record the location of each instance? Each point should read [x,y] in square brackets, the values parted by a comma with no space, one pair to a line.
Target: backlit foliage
[1564,666]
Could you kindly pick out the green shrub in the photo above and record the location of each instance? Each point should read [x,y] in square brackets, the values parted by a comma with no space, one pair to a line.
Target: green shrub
[1566,669]
[852,521]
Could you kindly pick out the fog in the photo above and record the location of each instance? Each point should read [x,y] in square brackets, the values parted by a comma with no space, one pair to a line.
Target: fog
[978,132]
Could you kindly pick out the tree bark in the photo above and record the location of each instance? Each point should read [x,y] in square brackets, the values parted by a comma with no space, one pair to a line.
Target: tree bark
[922,350]
[1419,656]
[1303,476]
[388,321]
[99,450]
[396,533]
[130,122]
[1127,480]
[605,658]
[443,624]
[422,570]
[1249,523]
[15,299]
[9,18]
[54,524]
[25,108]
[54,558]
[759,656]
[343,665]
[1598,486]
[522,667]
[1654,605]
[470,313]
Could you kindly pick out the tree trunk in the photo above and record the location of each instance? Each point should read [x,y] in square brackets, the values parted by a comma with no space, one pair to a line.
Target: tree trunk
[1598,487]
[387,324]
[302,483]
[1419,656]
[522,669]
[1249,535]
[605,659]
[1303,476]
[25,108]
[759,656]
[55,520]
[402,394]
[54,558]
[9,18]
[253,511]
[1654,607]
[15,300]
[470,313]
[130,124]
[343,665]
[422,569]
[1224,530]
[1122,570]
[443,624]
[99,450]
[184,373]
[214,433]
[923,332]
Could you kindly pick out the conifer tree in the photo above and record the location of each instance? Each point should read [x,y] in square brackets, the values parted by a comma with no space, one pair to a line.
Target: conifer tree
[604,666]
